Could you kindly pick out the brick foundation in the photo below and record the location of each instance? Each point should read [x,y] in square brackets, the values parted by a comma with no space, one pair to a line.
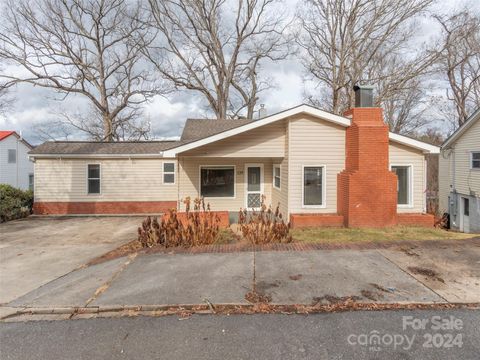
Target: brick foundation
[102,207]
[367,189]
[223,215]
[312,220]
[408,219]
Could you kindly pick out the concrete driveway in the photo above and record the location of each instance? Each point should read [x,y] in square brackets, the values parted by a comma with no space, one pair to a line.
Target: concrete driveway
[37,250]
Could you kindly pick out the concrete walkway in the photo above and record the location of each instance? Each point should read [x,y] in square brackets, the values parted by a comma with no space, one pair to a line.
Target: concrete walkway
[446,273]
[287,277]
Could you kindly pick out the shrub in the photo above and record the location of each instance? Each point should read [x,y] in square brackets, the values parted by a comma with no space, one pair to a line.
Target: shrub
[192,228]
[14,203]
[265,226]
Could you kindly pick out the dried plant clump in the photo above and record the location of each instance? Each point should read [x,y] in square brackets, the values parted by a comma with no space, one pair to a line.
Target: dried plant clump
[199,226]
[264,226]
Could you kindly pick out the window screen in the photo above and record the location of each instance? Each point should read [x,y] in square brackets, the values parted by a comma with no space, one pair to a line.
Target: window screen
[276,176]
[476,160]
[169,173]
[313,186]
[30,182]
[93,179]
[217,182]
[403,186]
[12,156]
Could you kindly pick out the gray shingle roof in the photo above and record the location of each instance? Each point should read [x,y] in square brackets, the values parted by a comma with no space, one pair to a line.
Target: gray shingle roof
[196,129]
[107,148]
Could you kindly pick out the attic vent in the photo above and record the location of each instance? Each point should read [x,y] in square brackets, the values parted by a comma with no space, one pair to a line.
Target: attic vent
[363,95]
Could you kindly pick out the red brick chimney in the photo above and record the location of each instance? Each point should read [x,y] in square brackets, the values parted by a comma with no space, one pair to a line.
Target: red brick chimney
[367,189]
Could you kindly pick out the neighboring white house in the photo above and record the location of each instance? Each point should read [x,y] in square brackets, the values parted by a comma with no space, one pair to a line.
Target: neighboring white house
[15,167]
[459,176]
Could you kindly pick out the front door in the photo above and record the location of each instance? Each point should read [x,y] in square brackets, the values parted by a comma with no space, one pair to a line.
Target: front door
[254,186]
[464,214]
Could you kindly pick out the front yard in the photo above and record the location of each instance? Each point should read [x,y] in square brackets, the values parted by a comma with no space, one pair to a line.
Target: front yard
[397,233]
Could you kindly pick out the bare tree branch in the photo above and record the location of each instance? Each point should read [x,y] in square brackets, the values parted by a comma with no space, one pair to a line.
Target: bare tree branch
[460,61]
[215,48]
[92,49]
[348,42]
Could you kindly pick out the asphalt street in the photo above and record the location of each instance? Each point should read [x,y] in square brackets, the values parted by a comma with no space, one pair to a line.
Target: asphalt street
[448,334]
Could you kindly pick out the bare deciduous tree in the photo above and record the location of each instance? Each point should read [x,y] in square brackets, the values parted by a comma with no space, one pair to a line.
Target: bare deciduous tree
[347,42]
[216,48]
[460,61]
[87,48]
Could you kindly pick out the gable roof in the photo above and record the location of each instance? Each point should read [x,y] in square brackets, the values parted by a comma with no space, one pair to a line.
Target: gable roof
[6,133]
[210,137]
[462,129]
[195,129]
[99,148]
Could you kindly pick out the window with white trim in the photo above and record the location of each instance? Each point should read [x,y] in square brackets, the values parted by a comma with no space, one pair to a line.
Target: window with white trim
[404,184]
[12,156]
[313,183]
[217,181]
[30,182]
[475,163]
[276,176]
[169,173]
[93,180]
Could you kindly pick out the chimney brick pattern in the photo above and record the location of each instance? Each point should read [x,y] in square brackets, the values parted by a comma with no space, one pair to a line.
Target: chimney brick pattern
[367,189]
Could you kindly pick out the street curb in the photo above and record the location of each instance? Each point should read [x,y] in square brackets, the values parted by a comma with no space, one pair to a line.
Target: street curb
[235,308]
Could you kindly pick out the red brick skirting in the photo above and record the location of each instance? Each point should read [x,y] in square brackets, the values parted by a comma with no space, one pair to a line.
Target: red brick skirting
[311,220]
[426,220]
[102,207]
[223,216]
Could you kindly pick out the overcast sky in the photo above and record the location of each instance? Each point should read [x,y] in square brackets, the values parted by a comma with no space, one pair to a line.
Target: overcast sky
[34,105]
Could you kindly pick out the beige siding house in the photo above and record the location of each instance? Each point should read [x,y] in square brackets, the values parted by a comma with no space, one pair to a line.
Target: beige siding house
[291,158]
[459,176]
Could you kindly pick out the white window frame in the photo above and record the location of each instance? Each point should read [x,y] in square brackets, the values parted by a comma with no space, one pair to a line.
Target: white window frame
[99,178]
[279,166]
[217,167]
[33,183]
[410,187]
[324,187]
[8,156]
[471,160]
[169,172]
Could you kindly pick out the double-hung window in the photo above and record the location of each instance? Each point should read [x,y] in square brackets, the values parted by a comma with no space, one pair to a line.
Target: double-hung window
[276,177]
[217,181]
[475,160]
[93,181]
[404,184]
[169,173]
[313,186]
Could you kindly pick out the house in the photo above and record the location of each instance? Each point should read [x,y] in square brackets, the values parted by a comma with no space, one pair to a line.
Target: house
[15,167]
[323,169]
[459,176]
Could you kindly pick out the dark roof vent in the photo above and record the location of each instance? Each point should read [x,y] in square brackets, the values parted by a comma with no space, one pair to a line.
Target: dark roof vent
[363,95]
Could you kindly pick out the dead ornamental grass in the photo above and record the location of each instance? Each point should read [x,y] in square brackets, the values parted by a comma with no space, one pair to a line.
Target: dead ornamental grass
[198,227]
[265,226]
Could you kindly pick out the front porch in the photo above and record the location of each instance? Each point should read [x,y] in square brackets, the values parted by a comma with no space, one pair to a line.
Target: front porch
[229,184]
